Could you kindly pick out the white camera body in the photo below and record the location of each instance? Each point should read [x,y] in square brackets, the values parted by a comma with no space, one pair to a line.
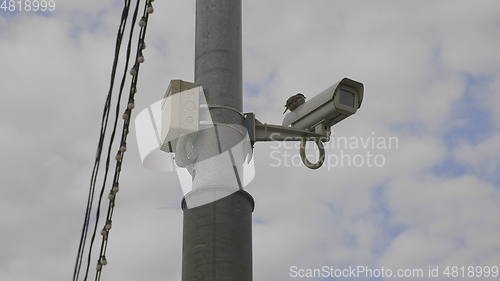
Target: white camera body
[328,108]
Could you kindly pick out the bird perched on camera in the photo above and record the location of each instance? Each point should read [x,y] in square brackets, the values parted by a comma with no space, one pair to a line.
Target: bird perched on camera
[294,101]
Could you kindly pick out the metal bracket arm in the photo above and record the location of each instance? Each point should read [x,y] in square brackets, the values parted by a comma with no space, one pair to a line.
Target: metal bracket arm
[268,132]
[259,131]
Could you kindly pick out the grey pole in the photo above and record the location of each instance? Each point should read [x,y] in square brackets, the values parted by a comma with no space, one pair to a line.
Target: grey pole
[217,238]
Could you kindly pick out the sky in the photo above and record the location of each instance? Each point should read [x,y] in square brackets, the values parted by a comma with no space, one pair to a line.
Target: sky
[431,71]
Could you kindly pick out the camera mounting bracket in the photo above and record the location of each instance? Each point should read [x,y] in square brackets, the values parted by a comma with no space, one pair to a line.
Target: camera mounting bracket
[262,132]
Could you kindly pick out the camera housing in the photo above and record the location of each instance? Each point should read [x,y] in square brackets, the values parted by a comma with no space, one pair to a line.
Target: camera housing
[327,108]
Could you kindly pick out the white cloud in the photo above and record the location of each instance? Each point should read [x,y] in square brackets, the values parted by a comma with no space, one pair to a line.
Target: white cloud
[412,58]
[481,158]
[448,221]
[491,101]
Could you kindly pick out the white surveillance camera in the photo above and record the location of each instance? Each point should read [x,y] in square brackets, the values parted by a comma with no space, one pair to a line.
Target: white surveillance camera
[328,108]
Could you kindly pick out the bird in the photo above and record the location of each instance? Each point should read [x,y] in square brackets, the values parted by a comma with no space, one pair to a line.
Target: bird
[294,101]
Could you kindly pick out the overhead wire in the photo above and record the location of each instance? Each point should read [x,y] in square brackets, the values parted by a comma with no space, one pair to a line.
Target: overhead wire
[102,134]
[148,9]
[112,138]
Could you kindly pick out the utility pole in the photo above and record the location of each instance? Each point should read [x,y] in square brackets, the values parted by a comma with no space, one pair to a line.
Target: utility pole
[217,238]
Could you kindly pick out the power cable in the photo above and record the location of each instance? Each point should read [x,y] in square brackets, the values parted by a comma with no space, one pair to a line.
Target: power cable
[148,9]
[104,123]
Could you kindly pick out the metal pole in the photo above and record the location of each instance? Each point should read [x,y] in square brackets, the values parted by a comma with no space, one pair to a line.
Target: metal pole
[217,238]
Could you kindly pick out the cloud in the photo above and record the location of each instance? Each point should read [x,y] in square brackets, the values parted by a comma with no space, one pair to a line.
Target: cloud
[481,158]
[414,59]
[492,100]
[446,222]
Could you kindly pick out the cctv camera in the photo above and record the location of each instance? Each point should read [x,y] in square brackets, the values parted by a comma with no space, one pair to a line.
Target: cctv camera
[328,108]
